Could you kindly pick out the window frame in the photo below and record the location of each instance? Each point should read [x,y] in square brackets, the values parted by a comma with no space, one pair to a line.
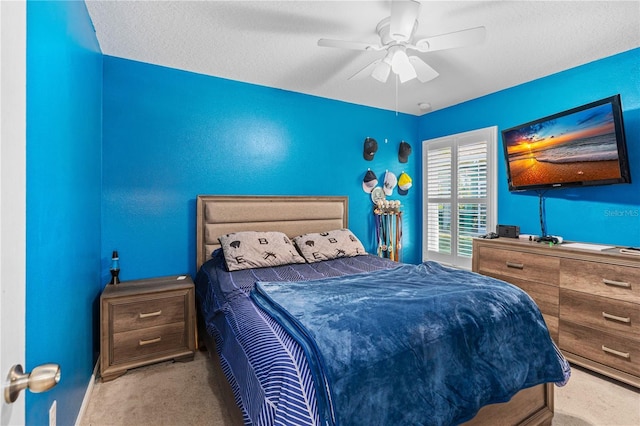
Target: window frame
[488,135]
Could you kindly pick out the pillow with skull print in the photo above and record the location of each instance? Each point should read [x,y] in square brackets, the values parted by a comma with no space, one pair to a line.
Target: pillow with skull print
[329,245]
[250,249]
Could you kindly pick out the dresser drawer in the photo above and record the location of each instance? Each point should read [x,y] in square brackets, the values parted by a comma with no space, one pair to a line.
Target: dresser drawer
[515,264]
[573,288]
[610,315]
[614,281]
[137,344]
[553,326]
[148,313]
[606,348]
[545,296]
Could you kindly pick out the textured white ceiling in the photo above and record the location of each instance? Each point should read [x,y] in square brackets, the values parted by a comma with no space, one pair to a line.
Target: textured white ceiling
[274,43]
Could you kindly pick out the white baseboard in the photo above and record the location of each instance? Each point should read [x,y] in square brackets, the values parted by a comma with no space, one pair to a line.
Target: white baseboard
[87,394]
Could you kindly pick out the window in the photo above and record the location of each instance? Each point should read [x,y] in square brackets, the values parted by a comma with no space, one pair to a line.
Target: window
[459,173]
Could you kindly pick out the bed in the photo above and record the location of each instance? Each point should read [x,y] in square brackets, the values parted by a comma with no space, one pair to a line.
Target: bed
[274,377]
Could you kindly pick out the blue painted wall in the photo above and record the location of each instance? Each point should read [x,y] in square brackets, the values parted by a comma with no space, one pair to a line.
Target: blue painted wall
[64,84]
[605,214]
[170,135]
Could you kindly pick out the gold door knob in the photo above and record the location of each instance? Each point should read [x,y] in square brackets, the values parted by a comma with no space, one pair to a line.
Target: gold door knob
[41,379]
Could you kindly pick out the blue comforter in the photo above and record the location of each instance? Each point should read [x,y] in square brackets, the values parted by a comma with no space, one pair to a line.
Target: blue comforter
[417,344]
[266,368]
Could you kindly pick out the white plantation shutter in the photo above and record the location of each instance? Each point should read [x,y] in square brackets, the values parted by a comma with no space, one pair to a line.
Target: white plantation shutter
[472,194]
[459,200]
[439,205]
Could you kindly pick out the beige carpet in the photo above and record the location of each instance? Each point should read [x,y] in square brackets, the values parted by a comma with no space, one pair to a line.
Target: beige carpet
[591,399]
[176,394]
[168,393]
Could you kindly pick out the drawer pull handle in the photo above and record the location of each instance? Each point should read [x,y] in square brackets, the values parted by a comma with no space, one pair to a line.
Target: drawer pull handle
[616,318]
[150,314]
[515,265]
[150,341]
[616,283]
[614,352]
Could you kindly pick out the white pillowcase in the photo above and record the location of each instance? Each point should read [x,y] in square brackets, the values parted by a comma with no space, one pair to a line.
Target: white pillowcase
[329,245]
[250,249]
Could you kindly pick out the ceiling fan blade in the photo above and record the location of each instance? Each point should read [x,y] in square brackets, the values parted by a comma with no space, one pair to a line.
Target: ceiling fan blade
[344,44]
[366,71]
[424,71]
[452,40]
[403,19]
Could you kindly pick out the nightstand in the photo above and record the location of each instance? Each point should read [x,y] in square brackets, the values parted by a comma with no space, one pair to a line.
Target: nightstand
[146,321]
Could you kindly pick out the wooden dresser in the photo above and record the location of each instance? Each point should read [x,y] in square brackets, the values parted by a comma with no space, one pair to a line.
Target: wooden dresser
[146,321]
[589,299]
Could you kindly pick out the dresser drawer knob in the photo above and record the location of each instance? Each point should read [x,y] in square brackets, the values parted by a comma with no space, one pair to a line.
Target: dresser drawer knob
[616,283]
[614,352]
[515,265]
[150,341]
[616,318]
[150,314]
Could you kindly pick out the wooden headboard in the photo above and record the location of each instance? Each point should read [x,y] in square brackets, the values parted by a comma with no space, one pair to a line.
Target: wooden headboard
[294,215]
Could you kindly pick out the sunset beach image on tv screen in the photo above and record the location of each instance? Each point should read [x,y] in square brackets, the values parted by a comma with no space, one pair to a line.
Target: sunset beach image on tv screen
[577,147]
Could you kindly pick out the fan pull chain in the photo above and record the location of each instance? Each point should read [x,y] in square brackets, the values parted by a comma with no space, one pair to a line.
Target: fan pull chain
[397,77]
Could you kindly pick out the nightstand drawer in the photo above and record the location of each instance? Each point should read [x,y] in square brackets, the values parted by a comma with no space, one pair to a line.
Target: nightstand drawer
[148,313]
[136,344]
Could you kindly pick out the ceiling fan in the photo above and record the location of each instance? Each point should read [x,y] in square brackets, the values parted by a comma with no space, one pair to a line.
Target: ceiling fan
[396,34]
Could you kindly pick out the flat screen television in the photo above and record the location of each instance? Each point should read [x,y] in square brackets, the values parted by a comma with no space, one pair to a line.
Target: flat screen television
[582,146]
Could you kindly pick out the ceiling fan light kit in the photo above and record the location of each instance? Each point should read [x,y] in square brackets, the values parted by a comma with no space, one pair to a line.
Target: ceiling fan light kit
[400,64]
[396,34]
[381,71]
